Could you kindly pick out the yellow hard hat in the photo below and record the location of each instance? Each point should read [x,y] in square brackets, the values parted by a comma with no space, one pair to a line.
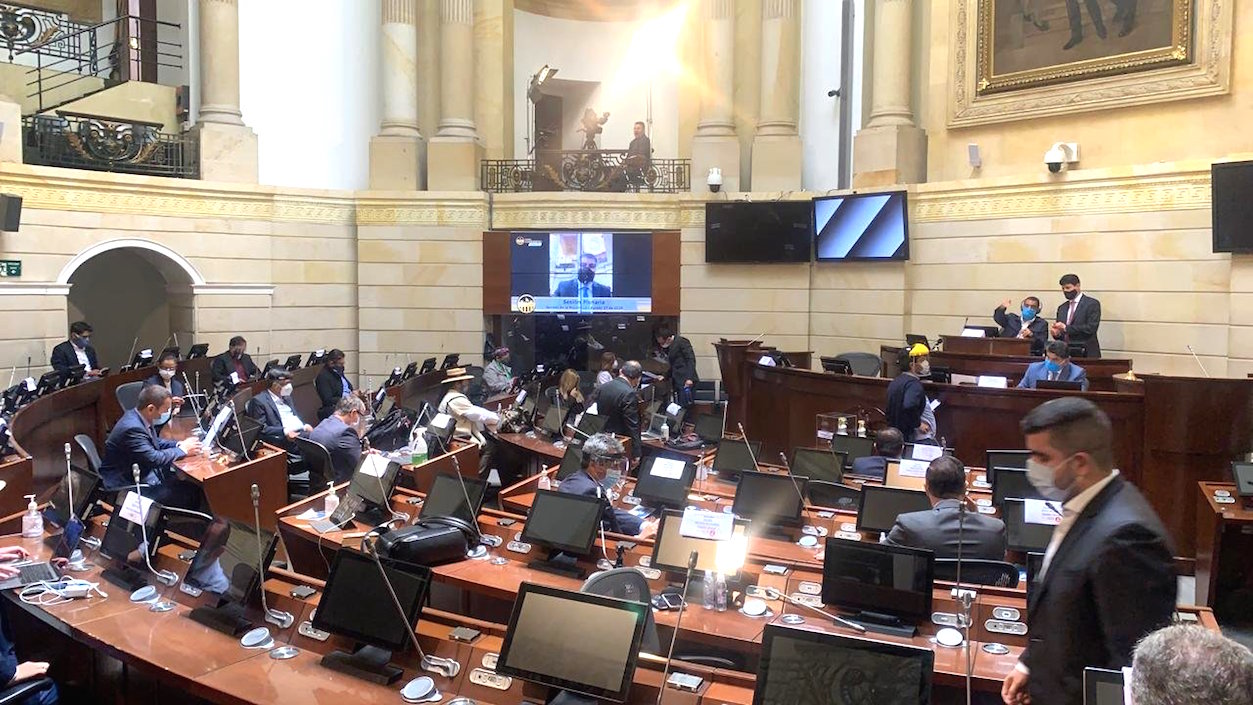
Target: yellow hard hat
[919,350]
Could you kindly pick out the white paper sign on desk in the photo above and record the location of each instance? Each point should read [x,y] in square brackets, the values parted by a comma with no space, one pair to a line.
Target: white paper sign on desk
[700,524]
[669,468]
[914,468]
[923,451]
[1040,511]
[135,508]
[993,381]
[374,465]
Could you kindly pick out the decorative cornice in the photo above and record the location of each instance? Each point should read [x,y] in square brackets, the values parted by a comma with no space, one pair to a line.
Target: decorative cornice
[466,209]
[570,210]
[8,288]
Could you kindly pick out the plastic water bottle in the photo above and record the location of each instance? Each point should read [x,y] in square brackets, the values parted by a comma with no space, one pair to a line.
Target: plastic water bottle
[419,450]
[665,430]
[720,593]
[861,427]
[710,596]
[331,503]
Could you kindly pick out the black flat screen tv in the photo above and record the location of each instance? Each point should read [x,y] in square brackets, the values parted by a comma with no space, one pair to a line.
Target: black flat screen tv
[861,227]
[744,232]
[1231,185]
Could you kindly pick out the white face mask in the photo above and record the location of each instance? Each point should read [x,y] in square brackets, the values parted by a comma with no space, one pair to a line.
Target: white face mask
[285,391]
[924,368]
[1041,477]
[166,375]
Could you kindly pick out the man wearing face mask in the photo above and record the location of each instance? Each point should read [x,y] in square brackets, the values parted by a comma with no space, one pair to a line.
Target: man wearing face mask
[1055,367]
[332,384]
[605,466]
[135,440]
[167,369]
[76,351]
[340,434]
[682,359]
[233,362]
[584,286]
[619,402]
[1107,578]
[906,397]
[1028,326]
[273,408]
[1078,318]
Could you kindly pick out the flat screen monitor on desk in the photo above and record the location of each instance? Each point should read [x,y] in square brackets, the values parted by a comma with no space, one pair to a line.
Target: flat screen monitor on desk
[134,519]
[890,584]
[1022,534]
[369,492]
[1009,483]
[818,464]
[1242,475]
[227,564]
[358,604]
[565,523]
[808,667]
[664,480]
[734,457]
[84,492]
[1059,385]
[456,496]
[708,427]
[770,499]
[571,462]
[548,641]
[836,366]
[1102,686]
[853,447]
[428,365]
[1006,459]
[590,425]
[881,505]
[551,423]
[671,550]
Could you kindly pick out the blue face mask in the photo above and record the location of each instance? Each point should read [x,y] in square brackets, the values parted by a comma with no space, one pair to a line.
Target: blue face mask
[164,418]
[1052,366]
[1028,313]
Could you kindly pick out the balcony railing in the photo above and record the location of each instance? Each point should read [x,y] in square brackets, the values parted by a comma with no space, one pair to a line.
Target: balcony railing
[78,141]
[586,170]
[25,28]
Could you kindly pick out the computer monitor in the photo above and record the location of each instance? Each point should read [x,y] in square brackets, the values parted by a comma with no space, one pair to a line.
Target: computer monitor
[171,350]
[708,427]
[551,424]
[358,603]
[878,578]
[912,339]
[71,376]
[836,366]
[1020,534]
[1059,385]
[369,491]
[734,457]
[664,480]
[671,549]
[428,365]
[411,371]
[197,351]
[590,425]
[881,505]
[1242,475]
[227,563]
[447,497]
[773,499]
[1006,459]
[809,667]
[853,447]
[316,357]
[450,361]
[292,363]
[241,435]
[818,464]
[124,538]
[563,522]
[1011,483]
[571,462]
[85,484]
[1102,686]
[48,382]
[548,641]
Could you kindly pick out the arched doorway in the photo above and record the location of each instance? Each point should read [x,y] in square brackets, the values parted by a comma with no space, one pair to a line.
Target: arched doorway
[134,293]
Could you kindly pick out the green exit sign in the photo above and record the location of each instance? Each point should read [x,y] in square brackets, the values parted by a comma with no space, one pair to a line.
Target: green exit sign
[10,267]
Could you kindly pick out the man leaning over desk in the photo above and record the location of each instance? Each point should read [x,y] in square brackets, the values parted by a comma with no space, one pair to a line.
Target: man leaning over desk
[1027,326]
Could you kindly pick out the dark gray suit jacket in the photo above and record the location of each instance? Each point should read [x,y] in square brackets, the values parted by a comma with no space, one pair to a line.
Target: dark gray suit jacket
[982,536]
[1084,325]
[342,443]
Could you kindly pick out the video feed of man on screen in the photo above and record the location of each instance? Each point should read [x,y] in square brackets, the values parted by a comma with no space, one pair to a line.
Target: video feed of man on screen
[584,285]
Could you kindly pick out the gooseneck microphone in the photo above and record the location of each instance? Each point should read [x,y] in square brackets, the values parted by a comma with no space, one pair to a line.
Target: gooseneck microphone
[164,577]
[792,477]
[130,357]
[777,594]
[687,580]
[239,430]
[278,618]
[474,514]
[749,446]
[1198,361]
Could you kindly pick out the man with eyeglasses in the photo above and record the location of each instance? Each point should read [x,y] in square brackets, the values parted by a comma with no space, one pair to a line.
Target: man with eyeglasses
[605,464]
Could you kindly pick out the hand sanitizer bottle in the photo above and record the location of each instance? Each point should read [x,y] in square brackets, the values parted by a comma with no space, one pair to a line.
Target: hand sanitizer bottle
[332,500]
[32,520]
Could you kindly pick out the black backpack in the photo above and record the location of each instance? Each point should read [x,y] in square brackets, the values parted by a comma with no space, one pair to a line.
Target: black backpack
[392,431]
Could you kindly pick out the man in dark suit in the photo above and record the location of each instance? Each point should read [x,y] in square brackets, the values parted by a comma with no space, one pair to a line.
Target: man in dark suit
[888,445]
[76,351]
[233,361]
[937,530]
[584,286]
[1078,318]
[1028,326]
[605,466]
[619,401]
[331,383]
[1107,578]
[273,409]
[906,397]
[1076,21]
[1056,366]
[339,434]
[134,440]
[682,358]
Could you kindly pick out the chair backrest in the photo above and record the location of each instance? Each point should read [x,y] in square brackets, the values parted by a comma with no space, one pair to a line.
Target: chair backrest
[863,363]
[128,394]
[627,584]
[832,495]
[88,446]
[319,462]
[978,572]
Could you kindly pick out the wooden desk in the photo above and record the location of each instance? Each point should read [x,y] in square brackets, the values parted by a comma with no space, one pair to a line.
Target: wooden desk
[18,474]
[986,346]
[1224,539]
[413,392]
[1100,371]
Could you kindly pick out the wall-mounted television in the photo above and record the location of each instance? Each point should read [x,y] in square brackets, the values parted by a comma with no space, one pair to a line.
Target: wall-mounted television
[746,232]
[1231,185]
[581,272]
[861,227]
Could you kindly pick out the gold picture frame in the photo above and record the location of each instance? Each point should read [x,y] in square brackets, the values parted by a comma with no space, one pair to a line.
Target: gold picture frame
[1196,62]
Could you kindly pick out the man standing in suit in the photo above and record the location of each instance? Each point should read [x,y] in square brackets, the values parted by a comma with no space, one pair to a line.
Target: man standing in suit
[134,440]
[340,435]
[938,530]
[1079,318]
[1028,326]
[331,383]
[76,351]
[273,409]
[233,361]
[619,401]
[888,445]
[1107,578]
[584,286]
[906,397]
[682,358]
[1055,367]
[605,466]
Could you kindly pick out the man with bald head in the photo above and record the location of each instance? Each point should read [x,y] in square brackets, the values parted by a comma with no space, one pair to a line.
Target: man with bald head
[619,401]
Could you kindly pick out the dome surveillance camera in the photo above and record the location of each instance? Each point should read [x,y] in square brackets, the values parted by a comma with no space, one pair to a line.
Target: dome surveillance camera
[1059,154]
[714,180]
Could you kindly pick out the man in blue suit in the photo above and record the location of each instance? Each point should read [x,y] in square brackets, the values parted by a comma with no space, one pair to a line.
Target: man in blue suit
[76,351]
[338,435]
[1056,366]
[273,408]
[584,286]
[134,441]
[605,464]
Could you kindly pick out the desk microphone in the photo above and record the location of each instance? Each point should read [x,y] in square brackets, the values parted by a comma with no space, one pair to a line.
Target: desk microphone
[278,618]
[130,357]
[474,514]
[1194,357]
[191,396]
[797,487]
[164,577]
[687,580]
[777,594]
[239,430]
[759,337]
[576,430]
[749,446]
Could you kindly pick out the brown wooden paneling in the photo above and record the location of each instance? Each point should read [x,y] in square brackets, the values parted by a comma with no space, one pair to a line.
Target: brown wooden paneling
[496,272]
[666,273]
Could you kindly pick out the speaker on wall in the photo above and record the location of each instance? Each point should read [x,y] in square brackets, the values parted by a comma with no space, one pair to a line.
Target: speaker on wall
[10,212]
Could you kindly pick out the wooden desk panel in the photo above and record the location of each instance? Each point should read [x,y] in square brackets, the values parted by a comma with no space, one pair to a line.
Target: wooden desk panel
[1224,541]
[1100,371]
[986,346]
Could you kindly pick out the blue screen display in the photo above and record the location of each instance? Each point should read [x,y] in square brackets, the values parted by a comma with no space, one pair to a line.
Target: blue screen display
[872,226]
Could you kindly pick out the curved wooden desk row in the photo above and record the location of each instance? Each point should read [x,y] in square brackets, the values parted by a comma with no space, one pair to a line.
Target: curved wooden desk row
[1169,432]
[1225,539]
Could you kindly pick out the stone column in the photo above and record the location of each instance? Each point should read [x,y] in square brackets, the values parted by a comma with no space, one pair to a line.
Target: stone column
[228,148]
[397,152]
[715,143]
[777,145]
[891,148]
[455,151]
[493,77]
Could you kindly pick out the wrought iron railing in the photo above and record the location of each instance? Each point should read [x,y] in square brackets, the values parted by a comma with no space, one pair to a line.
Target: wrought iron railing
[25,28]
[79,141]
[586,170]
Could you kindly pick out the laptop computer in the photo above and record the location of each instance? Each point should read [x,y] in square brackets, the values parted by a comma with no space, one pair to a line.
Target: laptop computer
[30,574]
[1059,385]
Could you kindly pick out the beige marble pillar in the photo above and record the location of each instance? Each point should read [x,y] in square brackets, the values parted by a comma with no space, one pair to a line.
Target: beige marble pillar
[493,77]
[715,144]
[10,129]
[891,148]
[228,148]
[777,145]
[397,153]
[455,152]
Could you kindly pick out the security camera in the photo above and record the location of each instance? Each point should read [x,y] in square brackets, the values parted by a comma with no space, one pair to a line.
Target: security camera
[714,179]
[1059,154]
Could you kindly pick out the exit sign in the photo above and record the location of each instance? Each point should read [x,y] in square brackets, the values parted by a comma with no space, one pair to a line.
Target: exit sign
[10,267]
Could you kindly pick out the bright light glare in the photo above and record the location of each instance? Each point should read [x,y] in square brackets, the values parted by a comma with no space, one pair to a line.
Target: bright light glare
[654,48]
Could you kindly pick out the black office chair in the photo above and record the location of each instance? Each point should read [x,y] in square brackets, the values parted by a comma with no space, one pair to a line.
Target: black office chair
[833,495]
[864,364]
[320,471]
[628,584]
[15,694]
[128,394]
[978,572]
[88,446]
